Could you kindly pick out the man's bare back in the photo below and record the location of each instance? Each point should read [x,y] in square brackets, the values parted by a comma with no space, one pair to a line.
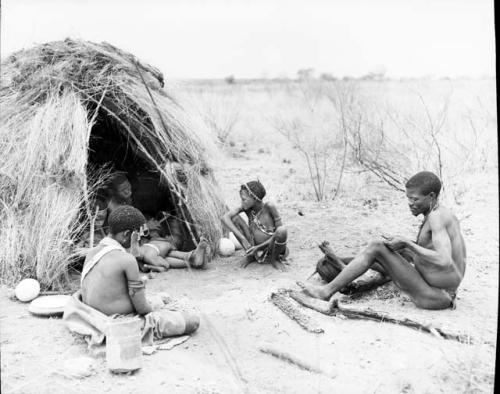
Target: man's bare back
[448,276]
[105,286]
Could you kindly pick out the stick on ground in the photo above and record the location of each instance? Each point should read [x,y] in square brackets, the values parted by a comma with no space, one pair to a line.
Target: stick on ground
[283,302]
[295,361]
[334,308]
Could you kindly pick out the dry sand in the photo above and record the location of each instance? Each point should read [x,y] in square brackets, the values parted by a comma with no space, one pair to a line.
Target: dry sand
[238,319]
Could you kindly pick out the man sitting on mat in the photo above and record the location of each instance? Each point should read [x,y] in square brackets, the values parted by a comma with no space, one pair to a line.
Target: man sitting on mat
[111,286]
[430,269]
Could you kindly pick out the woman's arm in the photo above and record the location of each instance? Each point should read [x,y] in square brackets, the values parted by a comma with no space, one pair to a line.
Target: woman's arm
[227,220]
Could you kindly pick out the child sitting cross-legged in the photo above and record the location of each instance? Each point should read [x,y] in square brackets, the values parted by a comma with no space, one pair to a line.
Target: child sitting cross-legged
[264,237]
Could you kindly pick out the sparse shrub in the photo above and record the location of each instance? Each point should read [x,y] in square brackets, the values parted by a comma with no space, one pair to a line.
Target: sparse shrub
[316,137]
[221,114]
[393,142]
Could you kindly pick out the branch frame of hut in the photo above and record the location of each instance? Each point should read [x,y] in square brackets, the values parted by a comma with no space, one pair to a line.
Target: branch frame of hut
[72,113]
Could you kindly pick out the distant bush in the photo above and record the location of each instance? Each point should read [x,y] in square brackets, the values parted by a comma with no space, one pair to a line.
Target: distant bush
[305,74]
[230,79]
[327,77]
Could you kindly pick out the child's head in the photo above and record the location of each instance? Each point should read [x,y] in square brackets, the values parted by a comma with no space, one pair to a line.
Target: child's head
[121,189]
[252,192]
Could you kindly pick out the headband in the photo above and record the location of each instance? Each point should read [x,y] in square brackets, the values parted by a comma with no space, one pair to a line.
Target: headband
[252,194]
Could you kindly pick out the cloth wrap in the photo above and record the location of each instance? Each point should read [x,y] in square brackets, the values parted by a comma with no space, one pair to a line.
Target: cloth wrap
[84,320]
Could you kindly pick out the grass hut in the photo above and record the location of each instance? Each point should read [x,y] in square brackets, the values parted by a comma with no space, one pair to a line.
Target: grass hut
[69,108]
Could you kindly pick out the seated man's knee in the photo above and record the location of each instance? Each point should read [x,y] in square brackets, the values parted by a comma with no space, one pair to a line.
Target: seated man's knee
[374,247]
[281,234]
[192,322]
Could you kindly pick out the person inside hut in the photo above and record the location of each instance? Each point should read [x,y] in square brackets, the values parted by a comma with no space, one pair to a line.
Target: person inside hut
[264,238]
[111,286]
[158,250]
[429,269]
[117,193]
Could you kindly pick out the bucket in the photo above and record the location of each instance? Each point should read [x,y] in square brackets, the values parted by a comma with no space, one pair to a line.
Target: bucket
[123,345]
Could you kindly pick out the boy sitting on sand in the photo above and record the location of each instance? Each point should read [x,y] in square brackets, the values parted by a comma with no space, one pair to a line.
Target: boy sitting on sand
[264,237]
[157,253]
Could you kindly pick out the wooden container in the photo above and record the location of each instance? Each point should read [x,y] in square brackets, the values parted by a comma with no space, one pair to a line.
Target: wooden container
[123,345]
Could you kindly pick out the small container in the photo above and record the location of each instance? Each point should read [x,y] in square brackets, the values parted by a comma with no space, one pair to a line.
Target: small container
[123,345]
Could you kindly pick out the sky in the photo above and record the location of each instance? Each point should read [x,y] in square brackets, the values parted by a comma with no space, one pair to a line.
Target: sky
[271,38]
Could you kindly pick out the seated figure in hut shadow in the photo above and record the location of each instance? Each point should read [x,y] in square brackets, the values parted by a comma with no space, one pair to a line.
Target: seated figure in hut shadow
[163,239]
[118,192]
[166,244]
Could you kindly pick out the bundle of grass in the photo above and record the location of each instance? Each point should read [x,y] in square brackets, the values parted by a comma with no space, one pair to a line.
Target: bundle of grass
[72,105]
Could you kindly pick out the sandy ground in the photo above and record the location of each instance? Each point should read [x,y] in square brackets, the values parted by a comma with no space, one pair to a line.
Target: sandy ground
[238,319]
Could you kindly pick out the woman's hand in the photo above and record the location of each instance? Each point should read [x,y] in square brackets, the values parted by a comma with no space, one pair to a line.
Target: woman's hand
[254,249]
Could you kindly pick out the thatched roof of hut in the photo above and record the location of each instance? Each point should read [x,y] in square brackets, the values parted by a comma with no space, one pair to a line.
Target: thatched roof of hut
[67,106]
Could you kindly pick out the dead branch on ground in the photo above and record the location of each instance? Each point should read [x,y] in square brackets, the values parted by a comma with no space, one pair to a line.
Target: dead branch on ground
[334,308]
[283,302]
[295,361]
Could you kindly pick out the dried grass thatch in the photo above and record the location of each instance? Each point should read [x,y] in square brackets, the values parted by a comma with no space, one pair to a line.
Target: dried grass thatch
[51,97]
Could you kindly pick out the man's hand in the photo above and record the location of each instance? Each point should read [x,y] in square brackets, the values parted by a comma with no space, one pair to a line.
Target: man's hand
[396,243]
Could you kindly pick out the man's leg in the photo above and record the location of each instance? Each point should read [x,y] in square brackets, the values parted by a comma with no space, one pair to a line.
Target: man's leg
[155,262]
[404,275]
[196,258]
[360,284]
[341,262]
[176,262]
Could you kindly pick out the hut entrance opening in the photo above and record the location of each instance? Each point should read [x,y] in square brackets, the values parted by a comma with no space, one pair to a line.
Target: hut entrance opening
[111,146]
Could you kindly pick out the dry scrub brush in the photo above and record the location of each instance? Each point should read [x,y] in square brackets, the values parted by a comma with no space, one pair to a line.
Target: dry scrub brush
[342,126]
[313,125]
[220,112]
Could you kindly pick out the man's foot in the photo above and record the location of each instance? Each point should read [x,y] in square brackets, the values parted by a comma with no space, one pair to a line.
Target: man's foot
[198,258]
[314,291]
